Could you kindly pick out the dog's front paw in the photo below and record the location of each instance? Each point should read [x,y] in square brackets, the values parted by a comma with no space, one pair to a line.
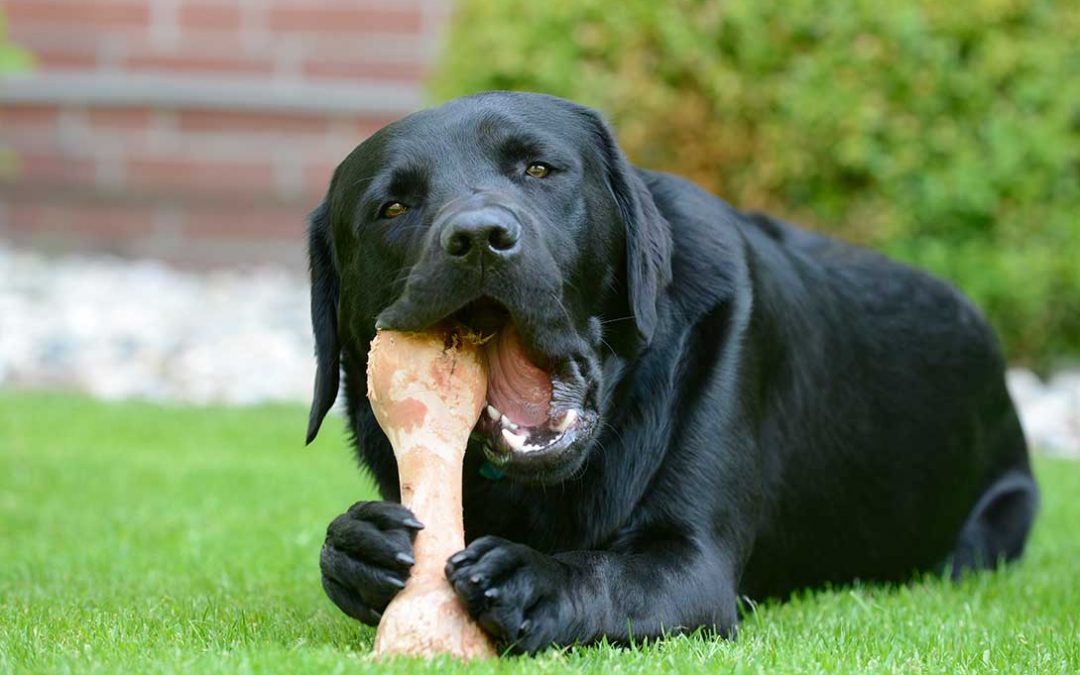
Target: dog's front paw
[367,557]
[513,591]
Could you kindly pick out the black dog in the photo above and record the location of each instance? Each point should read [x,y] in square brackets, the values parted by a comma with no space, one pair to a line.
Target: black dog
[689,404]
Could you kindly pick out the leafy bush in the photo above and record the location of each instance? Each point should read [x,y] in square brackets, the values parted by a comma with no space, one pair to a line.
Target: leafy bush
[947,134]
[11,57]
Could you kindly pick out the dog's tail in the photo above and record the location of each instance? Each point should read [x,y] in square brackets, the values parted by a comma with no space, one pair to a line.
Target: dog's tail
[998,526]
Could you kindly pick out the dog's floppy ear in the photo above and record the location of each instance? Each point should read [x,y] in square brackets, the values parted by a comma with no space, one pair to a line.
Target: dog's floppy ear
[324,318]
[648,234]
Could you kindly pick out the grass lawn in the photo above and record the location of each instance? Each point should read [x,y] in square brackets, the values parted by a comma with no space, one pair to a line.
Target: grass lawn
[139,538]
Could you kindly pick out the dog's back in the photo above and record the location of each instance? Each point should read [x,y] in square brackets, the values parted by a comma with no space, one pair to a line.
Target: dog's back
[891,442]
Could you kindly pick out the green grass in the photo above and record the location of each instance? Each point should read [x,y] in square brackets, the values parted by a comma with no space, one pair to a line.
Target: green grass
[138,538]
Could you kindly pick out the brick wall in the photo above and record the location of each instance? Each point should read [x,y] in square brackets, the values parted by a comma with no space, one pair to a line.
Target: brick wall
[201,131]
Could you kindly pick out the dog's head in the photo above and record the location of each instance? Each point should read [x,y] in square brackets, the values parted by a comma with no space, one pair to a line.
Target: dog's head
[517,216]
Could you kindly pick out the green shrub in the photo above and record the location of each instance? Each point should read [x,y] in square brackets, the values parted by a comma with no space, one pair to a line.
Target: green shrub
[947,134]
[11,57]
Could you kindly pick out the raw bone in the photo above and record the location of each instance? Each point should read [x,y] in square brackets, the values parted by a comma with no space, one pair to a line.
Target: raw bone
[427,391]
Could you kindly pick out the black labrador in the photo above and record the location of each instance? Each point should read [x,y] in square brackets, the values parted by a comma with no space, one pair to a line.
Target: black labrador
[688,404]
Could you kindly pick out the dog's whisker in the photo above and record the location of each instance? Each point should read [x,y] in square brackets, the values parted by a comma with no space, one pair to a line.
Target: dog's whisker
[606,344]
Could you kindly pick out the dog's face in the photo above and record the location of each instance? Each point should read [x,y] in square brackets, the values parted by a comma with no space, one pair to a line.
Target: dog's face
[516,216]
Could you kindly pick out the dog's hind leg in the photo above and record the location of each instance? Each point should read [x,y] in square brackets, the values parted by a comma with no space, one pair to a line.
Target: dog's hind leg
[997,527]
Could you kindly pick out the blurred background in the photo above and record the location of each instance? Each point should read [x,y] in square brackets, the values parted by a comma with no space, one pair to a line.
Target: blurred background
[158,157]
[197,131]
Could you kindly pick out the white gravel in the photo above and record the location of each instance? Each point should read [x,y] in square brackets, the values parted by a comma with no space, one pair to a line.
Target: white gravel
[1049,410]
[120,329]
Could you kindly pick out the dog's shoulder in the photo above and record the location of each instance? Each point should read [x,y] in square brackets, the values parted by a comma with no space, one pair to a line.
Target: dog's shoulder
[708,260]
[872,297]
[686,205]
[721,252]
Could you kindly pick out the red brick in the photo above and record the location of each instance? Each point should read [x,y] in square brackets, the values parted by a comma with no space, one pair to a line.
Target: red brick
[120,119]
[52,169]
[21,216]
[59,43]
[367,127]
[219,177]
[232,122]
[245,222]
[217,252]
[195,62]
[105,220]
[83,218]
[362,70]
[317,179]
[311,17]
[132,129]
[65,61]
[17,119]
[87,14]
[224,16]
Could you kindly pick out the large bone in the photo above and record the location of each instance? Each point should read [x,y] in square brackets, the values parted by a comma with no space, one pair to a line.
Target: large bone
[427,391]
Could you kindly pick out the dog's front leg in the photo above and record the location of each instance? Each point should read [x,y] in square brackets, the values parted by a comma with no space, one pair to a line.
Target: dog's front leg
[528,600]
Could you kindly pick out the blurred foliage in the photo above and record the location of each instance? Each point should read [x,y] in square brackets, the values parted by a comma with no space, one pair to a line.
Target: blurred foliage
[947,134]
[11,57]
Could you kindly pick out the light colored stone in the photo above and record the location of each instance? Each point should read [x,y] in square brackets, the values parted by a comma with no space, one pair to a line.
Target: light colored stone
[1049,411]
[119,329]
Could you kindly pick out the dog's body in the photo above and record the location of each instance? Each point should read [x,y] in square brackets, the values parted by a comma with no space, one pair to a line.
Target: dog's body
[737,407]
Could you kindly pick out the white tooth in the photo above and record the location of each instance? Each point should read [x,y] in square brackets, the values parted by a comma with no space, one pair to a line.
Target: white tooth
[515,441]
[569,417]
[493,413]
[508,423]
[532,448]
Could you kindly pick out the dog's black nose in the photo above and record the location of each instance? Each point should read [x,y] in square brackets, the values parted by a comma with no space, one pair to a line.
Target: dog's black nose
[484,231]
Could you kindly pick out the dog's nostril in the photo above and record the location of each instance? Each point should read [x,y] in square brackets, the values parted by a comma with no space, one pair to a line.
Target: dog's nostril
[479,232]
[459,244]
[501,239]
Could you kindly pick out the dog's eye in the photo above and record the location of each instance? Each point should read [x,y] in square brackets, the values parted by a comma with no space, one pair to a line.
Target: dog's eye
[392,210]
[538,170]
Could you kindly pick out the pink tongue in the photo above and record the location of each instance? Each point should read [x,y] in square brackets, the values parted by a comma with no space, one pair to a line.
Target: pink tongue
[519,389]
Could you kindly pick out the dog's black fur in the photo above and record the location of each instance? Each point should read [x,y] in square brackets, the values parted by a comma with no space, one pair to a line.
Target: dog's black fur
[763,409]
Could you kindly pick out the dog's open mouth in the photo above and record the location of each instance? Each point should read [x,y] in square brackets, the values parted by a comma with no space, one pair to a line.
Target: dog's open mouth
[530,411]
[519,401]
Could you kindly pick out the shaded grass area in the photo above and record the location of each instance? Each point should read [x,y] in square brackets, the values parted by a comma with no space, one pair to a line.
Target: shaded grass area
[141,538]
